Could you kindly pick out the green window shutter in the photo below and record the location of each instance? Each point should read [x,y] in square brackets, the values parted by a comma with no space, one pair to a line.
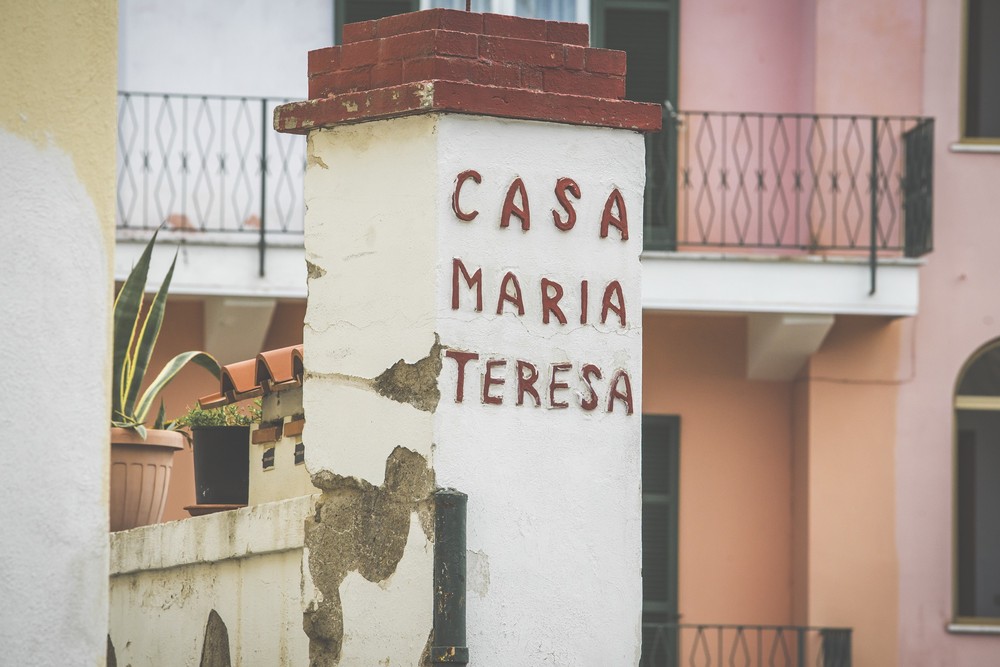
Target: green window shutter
[660,454]
[353,11]
[982,70]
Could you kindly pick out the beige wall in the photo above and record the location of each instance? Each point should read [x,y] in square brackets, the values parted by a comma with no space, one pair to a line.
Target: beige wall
[787,490]
[735,462]
[57,193]
[846,568]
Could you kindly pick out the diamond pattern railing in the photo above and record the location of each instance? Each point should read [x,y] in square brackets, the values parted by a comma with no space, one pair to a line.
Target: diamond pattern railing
[207,163]
[682,645]
[792,182]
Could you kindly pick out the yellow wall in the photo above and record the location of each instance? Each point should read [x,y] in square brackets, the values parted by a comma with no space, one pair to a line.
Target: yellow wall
[59,81]
[58,71]
[735,462]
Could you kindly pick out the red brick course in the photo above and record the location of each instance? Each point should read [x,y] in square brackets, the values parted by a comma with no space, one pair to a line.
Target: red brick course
[424,61]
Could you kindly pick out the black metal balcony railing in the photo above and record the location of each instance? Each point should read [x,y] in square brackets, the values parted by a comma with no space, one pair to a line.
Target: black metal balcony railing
[791,182]
[679,645]
[787,182]
[205,163]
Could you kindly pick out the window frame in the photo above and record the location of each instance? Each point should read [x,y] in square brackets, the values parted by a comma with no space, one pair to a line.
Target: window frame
[964,137]
[968,403]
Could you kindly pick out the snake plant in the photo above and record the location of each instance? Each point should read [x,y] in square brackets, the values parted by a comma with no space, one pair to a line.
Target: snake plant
[135,334]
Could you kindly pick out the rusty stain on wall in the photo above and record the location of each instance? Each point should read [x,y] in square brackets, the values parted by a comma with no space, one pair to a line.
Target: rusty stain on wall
[358,527]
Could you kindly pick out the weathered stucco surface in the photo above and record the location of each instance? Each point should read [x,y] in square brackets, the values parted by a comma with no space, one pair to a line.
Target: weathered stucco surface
[554,500]
[365,529]
[57,187]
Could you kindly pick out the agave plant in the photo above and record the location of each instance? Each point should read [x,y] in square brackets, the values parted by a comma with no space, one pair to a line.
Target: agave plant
[135,335]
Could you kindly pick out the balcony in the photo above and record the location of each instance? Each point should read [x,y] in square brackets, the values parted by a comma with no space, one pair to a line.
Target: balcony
[673,645]
[745,212]
[787,213]
[226,187]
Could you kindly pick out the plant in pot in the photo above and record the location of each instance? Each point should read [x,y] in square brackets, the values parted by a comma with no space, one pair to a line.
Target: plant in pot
[142,458]
[221,441]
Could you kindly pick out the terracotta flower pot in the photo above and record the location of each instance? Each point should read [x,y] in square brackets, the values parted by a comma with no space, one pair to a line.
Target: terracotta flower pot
[140,475]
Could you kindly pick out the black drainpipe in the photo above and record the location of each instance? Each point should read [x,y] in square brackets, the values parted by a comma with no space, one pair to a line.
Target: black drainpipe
[449,645]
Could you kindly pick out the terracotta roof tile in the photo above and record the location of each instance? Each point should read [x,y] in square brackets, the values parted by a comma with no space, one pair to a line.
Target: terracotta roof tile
[269,372]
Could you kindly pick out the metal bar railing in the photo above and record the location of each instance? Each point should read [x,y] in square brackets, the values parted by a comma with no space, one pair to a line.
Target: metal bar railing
[676,644]
[790,182]
[201,163]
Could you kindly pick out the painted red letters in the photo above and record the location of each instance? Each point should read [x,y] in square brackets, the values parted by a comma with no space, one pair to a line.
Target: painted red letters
[489,381]
[550,301]
[564,185]
[509,208]
[619,222]
[475,280]
[526,383]
[461,358]
[459,181]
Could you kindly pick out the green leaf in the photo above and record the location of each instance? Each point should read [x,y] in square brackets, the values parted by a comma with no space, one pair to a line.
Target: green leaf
[147,341]
[160,416]
[128,305]
[173,367]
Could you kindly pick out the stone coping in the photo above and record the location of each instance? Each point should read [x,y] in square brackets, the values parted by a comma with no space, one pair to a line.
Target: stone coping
[252,531]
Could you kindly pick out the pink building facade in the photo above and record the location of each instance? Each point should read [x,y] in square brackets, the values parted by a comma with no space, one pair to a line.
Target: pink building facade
[804,338]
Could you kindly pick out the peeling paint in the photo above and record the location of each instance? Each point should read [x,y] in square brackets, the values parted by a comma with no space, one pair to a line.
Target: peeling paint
[425,93]
[414,383]
[313,270]
[314,160]
[350,106]
[359,528]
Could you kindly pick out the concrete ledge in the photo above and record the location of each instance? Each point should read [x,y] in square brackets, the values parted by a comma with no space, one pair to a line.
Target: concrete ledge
[218,264]
[726,283]
[251,531]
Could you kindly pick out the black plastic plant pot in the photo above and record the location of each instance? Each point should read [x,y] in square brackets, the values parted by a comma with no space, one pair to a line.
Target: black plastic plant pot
[221,464]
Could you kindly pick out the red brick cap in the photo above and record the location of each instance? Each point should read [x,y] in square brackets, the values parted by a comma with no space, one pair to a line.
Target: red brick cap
[486,64]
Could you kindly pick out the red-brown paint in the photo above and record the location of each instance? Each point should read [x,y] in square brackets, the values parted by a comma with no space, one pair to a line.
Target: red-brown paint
[563,186]
[550,301]
[586,373]
[526,383]
[613,392]
[459,182]
[510,279]
[584,289]
[614,289]
[461,359]
[475,280]
[489,381]
[553,385]
[609,219]
[523,212]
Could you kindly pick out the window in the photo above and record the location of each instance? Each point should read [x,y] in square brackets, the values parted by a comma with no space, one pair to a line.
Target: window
[660,458]
[977,479]
[982,70]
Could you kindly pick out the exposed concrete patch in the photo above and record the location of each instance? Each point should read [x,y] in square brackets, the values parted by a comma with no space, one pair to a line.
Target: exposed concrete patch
[215,651]
[313,271]
[359,528]
[414,383]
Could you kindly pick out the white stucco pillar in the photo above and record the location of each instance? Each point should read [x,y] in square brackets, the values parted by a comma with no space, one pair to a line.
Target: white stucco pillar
[473,235]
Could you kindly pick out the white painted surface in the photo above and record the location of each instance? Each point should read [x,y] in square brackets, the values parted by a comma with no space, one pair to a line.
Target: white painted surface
[55,342]
[701,282]
[554,495]
[779,344]
[218,264]
[245,564]
[224,47]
